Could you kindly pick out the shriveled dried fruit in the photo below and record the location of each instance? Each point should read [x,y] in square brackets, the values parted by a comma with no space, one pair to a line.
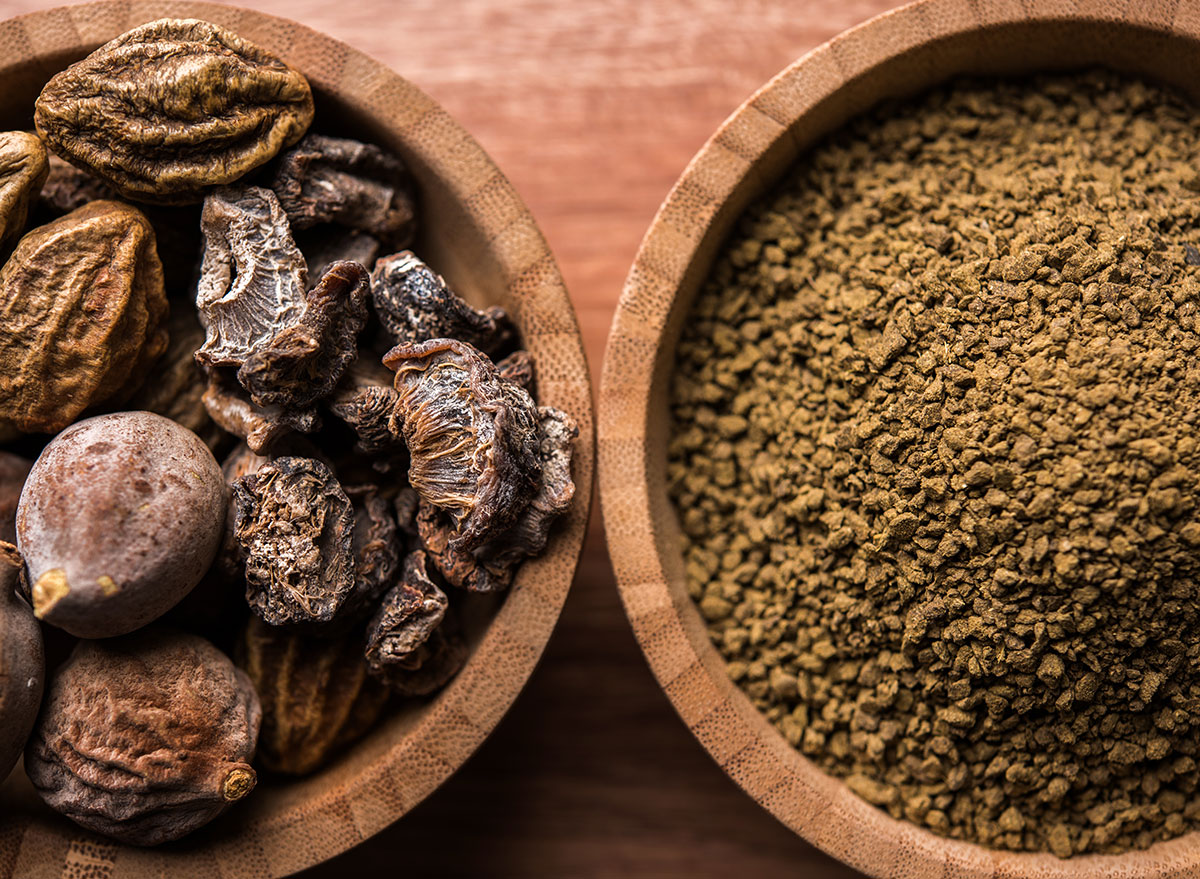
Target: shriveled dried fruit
[518,369]
[414,304]
[262,427]
[325,245]
[472,438]
[295,527]
[174,107]
[365,400]
[378,546]
[145,738]
[22,663]
[406,618]
[119,519]
[431,666]
[316,695]
[23,170]
[13,470]
[304,361]
[407,503]
[356,185]
[252,280]
[82,310]
[67,188]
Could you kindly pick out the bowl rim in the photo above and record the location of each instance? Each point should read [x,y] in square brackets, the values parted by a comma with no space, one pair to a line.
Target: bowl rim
[759,140]
[305,832]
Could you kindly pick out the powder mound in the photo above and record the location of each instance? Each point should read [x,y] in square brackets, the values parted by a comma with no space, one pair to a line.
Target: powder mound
[935,460]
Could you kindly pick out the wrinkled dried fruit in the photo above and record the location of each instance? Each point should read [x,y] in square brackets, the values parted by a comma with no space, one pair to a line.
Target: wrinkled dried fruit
[295,527]
[22,663]
[23,170]
[406,504]
[119,519]
[13,470]
[365,400]
[415,305]
[406,618]
[81,315]
[68,188]
[491,567]
[173,107]
[145,738]
[305,360]
[325,245]
[262,427]
[316,695]
[431,666]
[472,438]
[378,547]
[356,185]
[518,369]
[252,280]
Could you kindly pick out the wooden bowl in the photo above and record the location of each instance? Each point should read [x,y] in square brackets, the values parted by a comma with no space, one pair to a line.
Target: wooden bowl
[894,55]
[479,234]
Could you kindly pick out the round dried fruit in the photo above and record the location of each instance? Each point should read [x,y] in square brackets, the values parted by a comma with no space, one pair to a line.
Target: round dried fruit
[145,738]
[173,107]
[82,314]
[119,519]
[22,663]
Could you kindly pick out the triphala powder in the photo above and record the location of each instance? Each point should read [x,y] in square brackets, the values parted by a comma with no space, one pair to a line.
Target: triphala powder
[935,459]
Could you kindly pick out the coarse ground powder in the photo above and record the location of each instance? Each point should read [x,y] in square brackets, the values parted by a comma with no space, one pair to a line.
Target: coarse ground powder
[935,459]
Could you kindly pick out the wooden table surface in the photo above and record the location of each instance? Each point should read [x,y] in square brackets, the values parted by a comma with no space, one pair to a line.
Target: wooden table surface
[592,108]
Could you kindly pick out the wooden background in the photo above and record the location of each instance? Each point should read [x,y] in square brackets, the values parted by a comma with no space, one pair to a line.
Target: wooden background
[592,108]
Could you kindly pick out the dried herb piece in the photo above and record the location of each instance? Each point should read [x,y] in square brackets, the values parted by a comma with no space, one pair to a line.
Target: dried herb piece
[81,315]
[173,107]
[295,527]
[357,185]
[365,400]
[119,519]
[262,427]
[145,738]
[406,618]
[13,470]
[378,546]
[252,279]
[472,438]
[316,695]
[23,170]
[414,304]
[325,245]
[304,361]
[22,662]
[68,188]
[518,369]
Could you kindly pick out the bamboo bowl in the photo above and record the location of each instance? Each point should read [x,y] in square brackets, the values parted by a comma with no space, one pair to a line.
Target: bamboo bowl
[894,55]
[478,233]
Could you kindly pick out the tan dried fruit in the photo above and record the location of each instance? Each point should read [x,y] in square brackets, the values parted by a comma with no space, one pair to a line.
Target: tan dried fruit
[23,170]
[119,519]
[316,695]
[262,427]
[174,107]
[82,310]
[145,738]
[22,663]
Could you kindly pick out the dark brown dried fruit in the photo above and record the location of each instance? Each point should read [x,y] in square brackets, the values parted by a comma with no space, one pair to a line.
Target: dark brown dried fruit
[82,310]
[378,547]
[365,400]
[173,107]
[119,519]
[414,304]
[472,438]
[68,188]
[325,245]
[145,738]
[433,664]
[13,470]
[407,504]
[356,185]
[262,427]
[23,170]
[295,527]
[252,280]
[316,695]
[518,369]
[22,663]
[304,361]
[406,618]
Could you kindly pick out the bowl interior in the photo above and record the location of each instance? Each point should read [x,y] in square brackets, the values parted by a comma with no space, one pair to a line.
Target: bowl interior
[475,231]
[895,55]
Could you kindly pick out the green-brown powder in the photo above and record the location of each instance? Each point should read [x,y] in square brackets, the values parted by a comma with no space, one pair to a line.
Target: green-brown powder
[936,463]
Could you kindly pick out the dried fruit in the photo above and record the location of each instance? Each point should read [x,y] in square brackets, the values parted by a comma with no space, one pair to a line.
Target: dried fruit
[146,737]
[260,426]
[295,527]
[304,361]
[173,107]
[365,400]
[324,245]
[491,567]
[316,695]
[356,185]
[406,618]
[81,315]
[23,170]
[518,369]
[119,519]
[252,280]
[472,438]
[13,470]
[22,663]
[378,546]
[414,304]
[431,666]
[68,188]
